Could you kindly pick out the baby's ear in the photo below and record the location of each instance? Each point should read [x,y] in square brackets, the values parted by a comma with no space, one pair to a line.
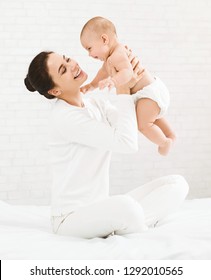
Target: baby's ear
[105,38]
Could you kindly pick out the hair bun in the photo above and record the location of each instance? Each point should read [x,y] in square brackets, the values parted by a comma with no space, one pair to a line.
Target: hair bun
[28,84]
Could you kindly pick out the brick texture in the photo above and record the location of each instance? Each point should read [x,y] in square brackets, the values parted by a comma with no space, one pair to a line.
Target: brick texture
[172,39]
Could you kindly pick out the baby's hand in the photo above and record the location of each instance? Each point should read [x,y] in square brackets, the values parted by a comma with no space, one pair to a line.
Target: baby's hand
[106,83]
[86,88]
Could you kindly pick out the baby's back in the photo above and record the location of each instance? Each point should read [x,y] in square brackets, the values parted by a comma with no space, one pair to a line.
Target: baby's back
[146,80]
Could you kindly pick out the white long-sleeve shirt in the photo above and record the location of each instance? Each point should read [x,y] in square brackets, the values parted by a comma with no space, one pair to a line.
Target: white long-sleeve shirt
[81,142]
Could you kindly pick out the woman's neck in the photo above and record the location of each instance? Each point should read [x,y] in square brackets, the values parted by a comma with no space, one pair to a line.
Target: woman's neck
[75,100]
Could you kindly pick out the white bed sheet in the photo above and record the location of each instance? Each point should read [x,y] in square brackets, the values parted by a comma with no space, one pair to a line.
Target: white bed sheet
[25,233]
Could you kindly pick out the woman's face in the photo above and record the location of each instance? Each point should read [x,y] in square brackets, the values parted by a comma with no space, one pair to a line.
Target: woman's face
[65,72]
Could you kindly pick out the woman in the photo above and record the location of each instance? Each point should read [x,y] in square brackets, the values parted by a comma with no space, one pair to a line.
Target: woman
[83,133]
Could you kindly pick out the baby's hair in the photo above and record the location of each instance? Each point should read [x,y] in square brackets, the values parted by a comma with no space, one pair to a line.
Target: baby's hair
[99,24]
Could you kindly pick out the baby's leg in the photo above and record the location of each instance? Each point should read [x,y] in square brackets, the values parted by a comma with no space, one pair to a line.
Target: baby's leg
[147,111]
[166,128]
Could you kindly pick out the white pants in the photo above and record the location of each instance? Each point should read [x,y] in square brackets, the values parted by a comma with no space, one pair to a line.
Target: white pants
[132,212]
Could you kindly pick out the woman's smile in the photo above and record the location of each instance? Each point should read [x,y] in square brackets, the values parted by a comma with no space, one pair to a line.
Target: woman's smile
[79,74]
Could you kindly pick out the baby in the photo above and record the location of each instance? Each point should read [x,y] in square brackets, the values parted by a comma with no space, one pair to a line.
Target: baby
[99,38]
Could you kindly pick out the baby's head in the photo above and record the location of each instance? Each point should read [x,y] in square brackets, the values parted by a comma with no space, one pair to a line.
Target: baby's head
[97,37]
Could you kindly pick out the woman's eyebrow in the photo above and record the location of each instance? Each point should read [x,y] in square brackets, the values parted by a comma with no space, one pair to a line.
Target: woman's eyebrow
[62,65]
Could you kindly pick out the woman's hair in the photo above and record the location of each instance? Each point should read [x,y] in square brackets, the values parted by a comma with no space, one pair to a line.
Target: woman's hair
[38,78]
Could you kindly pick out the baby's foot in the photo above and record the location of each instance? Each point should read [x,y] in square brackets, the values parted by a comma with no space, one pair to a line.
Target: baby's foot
[164,149]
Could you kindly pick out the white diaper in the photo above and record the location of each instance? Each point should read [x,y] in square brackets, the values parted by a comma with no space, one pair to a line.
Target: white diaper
[158,92]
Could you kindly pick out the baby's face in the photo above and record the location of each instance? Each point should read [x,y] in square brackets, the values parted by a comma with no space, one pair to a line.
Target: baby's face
[95,45]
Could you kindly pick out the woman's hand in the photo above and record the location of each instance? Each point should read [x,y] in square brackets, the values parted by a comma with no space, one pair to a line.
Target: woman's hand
[86,88]
[138,71]
[106,83]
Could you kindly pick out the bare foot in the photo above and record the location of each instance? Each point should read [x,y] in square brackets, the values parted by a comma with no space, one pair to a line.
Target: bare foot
[164,149]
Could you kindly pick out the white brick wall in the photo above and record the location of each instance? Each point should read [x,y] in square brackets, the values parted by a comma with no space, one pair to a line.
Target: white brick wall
[172,39]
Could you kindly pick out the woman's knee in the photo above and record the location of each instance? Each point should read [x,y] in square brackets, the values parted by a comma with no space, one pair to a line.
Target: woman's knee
[124,201]
[180,185]
[130,209]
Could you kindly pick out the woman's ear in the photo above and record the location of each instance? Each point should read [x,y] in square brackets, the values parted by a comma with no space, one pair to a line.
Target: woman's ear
[55,92]
[105,39]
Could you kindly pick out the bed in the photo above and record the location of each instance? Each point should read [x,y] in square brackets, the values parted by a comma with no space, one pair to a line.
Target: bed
[25,233]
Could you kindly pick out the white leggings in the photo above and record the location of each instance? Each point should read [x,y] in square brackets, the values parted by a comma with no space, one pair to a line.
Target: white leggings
[132,212]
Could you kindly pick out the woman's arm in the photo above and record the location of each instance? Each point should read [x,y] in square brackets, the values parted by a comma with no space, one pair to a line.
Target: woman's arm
[79,126]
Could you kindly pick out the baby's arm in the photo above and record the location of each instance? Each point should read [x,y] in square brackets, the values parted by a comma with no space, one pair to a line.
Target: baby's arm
[120,62]
[101,75]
